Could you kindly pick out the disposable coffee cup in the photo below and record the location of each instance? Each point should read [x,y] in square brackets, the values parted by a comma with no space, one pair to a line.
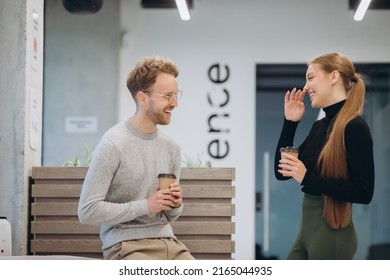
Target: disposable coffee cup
[165,180]
[290,150]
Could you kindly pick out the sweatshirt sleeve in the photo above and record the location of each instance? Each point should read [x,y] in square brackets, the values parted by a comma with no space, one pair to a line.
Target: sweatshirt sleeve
[286,139]
[93,208]
[359,188]
[174,213]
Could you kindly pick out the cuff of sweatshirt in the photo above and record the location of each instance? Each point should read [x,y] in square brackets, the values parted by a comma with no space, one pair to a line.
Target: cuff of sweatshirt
[177,209]
[287,124]
[174,213]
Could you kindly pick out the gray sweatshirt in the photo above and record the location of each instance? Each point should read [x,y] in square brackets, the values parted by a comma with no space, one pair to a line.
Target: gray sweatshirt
[122,175]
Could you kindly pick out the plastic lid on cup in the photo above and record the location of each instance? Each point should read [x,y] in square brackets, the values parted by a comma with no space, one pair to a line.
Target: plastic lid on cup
[166,175]
[289,149]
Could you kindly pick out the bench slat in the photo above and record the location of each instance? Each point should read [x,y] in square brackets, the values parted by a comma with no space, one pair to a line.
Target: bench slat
[71,173]
[202,191]
[56,190]
[203,228]
[207,246]
[207,209]
[66,245]
[95,246]
[54,209]
[190,191]
[62,227]
[180,228]
[185,174]
[190,209]
[199,173]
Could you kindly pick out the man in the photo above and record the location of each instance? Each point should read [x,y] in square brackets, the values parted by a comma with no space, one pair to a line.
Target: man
[120,192]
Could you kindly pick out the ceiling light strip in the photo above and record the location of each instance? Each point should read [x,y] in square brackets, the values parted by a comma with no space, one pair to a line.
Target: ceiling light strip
[183,9]
[361,10]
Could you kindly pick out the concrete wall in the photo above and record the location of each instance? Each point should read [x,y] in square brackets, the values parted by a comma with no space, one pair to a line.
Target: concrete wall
[21,24]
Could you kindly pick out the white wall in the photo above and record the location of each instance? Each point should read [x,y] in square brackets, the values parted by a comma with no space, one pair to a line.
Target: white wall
[240,34]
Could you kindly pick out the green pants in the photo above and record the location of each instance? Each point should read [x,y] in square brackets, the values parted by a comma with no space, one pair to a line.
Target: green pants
[316,240]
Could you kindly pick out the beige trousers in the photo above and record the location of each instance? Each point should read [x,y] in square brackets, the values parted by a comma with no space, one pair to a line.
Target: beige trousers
[148,249]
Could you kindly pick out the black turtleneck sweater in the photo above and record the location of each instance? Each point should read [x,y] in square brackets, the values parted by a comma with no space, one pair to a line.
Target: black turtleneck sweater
[359,187]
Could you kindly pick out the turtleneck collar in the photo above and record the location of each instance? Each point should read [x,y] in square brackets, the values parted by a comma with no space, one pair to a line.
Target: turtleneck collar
[332,110]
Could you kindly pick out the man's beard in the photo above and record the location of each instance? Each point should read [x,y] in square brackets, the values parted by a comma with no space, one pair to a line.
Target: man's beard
[158,116]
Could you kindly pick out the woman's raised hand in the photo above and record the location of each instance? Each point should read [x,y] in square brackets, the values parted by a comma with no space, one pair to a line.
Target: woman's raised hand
[294,108]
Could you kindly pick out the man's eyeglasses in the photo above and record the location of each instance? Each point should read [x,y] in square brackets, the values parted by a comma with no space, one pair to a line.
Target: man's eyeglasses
[169,97]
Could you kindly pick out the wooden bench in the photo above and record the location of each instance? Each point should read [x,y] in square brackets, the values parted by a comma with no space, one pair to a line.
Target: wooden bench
[206,224]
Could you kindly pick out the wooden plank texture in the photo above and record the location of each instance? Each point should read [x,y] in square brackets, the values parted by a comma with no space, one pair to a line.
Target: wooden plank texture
[47,173]
[94,246]
[66,245]
[180,228]
[54,209]
[206,173]
[62,227]
[205,191]
[190,191]
[203,228]
[190,209]
[56,190]
[198,173]
[209,246]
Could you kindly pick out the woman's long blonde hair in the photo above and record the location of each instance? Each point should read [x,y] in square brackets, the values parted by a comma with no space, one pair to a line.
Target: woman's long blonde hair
[332,161]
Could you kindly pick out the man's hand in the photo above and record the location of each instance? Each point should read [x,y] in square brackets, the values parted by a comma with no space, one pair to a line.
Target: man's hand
[162,200]
[177,194]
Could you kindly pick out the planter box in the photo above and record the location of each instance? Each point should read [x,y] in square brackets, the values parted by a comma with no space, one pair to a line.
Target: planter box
[206,225]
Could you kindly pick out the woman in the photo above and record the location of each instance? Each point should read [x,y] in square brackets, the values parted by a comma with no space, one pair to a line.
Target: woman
[335,165]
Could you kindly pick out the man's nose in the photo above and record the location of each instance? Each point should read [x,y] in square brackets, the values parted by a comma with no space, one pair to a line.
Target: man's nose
[174,102]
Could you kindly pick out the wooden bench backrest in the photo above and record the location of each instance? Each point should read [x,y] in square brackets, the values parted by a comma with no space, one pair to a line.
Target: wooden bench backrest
[206,224]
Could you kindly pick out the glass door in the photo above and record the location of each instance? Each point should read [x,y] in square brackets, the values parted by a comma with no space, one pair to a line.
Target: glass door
[278,203]
[374,241]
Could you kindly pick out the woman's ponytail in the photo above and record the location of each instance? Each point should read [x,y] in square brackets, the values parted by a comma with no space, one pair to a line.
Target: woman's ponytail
[332,161]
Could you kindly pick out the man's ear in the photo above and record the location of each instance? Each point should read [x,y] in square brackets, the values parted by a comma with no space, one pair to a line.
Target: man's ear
[141,97]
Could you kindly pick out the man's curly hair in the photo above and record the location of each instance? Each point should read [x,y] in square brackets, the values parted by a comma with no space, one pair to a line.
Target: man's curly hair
[144,75]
